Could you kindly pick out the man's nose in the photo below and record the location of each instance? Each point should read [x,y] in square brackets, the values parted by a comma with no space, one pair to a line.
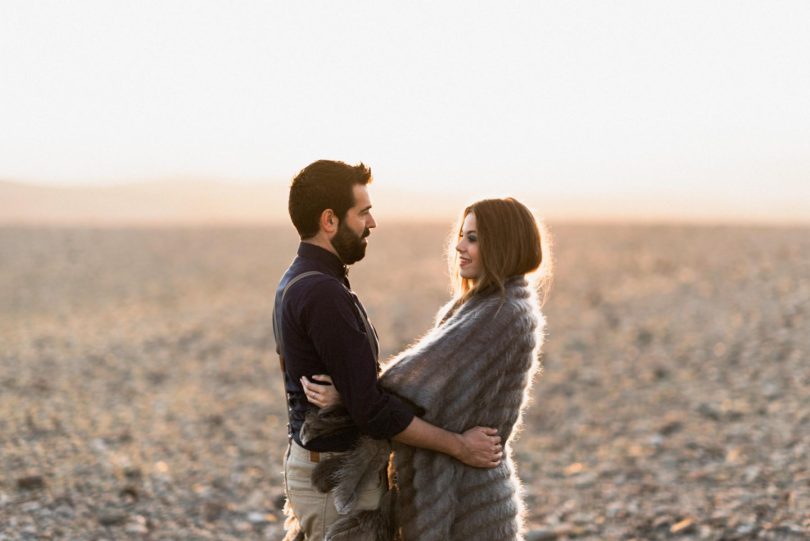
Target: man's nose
[371,223]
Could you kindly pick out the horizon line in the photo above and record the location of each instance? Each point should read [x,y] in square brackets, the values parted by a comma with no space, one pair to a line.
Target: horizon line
[263,203]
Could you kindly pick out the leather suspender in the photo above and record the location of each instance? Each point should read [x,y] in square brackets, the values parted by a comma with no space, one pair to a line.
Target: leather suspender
[371,333]
[277,322]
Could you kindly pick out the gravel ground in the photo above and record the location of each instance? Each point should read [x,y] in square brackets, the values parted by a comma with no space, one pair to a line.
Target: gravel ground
[140,399]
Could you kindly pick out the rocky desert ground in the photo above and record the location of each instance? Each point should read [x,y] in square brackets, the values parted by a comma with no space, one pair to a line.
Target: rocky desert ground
[140,397]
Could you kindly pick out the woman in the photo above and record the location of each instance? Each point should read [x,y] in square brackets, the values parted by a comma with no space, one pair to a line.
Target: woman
[474,368]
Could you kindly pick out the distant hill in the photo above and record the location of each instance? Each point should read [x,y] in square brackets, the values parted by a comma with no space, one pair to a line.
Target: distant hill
[184,202]
[142,203]
[221,203]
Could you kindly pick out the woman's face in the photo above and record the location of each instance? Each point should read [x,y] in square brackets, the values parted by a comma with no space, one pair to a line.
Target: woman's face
[469,257]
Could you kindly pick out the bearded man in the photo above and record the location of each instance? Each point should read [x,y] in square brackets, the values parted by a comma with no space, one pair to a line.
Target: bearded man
[323,333]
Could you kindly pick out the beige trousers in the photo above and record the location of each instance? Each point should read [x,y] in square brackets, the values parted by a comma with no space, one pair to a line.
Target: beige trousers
[315,510]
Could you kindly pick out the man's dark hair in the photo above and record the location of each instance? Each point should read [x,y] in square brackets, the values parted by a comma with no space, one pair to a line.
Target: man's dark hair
[322,185]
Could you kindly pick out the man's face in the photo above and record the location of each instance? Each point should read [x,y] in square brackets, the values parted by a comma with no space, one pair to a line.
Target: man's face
[350,240]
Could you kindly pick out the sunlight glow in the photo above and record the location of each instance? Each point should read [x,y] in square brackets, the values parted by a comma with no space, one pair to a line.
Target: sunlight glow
[703,103]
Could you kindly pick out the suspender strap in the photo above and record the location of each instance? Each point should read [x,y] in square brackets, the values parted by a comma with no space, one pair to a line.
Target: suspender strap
[371,333]
[276,320]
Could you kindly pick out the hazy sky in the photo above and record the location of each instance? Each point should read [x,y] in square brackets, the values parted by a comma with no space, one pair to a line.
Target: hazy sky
[570,98]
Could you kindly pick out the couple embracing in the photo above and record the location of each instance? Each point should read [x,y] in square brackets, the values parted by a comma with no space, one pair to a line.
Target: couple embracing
[418,449]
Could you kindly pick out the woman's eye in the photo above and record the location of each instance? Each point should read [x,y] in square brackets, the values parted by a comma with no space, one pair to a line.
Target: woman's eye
[472,238]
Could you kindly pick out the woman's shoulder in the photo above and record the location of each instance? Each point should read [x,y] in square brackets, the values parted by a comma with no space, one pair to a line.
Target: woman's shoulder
[446,311]
[518,300]
[518,294]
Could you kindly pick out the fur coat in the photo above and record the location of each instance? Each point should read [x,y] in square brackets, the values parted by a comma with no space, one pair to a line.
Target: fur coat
[474,368]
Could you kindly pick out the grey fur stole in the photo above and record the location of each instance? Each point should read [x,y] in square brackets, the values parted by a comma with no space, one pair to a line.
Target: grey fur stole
[473,369]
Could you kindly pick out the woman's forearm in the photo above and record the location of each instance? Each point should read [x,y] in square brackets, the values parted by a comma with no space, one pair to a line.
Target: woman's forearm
[427,436]
[478,447]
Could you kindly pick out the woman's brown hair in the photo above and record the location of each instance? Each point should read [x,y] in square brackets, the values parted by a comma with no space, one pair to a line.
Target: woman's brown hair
[510,243]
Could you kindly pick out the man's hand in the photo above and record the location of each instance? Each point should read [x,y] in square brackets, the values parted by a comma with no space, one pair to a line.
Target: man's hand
[480,447]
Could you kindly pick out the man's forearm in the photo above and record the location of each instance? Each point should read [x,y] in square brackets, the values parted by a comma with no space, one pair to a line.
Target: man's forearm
[427,436]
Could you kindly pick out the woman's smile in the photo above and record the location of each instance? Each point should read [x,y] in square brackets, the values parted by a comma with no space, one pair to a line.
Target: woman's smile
[469,254]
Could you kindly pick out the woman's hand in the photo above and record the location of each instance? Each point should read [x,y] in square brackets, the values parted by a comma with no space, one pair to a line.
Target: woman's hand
[481,447]
[323,394]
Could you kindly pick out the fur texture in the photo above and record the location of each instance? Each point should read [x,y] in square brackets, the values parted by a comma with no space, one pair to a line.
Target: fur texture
[292,528]
[378,525]
[473,369]
[324,422]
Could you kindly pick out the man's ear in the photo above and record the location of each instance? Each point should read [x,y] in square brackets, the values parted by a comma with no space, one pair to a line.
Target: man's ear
[329,222]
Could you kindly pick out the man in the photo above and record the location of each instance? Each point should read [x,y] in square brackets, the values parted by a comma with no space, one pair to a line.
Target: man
[322,328]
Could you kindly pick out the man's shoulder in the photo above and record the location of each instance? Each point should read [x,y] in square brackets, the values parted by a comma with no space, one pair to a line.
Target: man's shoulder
[314,287]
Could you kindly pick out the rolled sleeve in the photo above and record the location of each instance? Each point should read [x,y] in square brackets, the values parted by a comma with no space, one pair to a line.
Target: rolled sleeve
[391,419]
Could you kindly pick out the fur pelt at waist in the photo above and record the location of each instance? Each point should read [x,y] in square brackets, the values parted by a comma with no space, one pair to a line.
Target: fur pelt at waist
[473,369]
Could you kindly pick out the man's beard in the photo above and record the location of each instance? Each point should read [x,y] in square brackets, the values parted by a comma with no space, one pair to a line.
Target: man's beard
[348,245]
